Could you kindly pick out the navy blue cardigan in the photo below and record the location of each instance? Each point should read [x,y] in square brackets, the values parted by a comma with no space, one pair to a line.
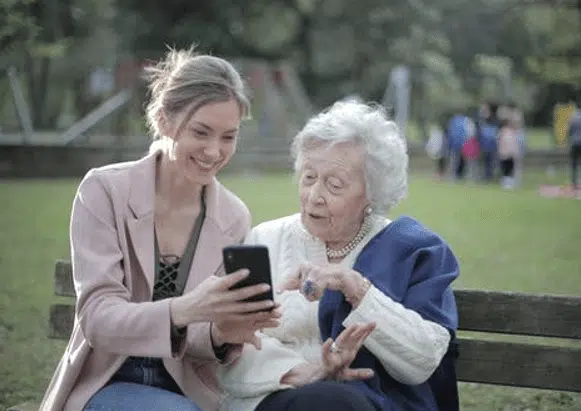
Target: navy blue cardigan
[414,267]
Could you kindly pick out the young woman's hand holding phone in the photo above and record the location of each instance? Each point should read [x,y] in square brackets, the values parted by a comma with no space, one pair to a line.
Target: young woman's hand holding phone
[237,304]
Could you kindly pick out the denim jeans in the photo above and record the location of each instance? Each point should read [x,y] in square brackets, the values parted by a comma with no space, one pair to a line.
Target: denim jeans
[129,396]
[142,383]
[148,371]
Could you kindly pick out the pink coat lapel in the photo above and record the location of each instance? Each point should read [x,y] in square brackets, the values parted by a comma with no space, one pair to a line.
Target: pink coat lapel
[141,222]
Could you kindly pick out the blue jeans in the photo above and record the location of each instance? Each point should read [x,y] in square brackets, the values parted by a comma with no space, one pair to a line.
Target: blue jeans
[129,396]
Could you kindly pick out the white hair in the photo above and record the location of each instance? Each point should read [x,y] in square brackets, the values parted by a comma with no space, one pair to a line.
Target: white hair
[385,159]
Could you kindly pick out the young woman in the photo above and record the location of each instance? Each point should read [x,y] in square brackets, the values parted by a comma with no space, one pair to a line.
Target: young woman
[154,316]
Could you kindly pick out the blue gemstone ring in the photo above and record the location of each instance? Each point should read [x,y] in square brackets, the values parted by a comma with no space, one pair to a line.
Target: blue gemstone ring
[309,288]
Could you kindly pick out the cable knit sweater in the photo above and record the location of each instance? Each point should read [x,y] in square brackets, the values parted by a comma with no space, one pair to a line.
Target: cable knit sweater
[410,358]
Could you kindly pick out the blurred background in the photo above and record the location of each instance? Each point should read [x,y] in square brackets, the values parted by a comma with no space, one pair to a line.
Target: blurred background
[71,98]
[69,69]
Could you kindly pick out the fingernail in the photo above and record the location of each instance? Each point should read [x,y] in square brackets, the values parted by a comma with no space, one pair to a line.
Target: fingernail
[265,287]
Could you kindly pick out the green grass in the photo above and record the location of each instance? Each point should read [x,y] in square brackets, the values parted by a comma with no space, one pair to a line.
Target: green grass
[504,240]
[33,233]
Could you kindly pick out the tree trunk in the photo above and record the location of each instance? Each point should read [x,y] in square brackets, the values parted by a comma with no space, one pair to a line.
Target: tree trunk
[305,44]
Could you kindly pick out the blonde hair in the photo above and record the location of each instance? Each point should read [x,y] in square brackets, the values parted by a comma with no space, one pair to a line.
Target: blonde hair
[183,79]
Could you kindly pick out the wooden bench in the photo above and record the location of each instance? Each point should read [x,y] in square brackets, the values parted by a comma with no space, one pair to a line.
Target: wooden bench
[485,317]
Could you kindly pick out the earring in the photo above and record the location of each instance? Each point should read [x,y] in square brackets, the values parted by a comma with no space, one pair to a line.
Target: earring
[368,210]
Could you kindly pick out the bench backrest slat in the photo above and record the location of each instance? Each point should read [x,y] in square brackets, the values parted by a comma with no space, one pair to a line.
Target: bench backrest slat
[63,279]
[522,365]
[519,313]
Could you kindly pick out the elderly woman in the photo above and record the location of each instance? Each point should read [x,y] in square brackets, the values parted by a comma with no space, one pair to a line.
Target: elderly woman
[154,314]
[367,306]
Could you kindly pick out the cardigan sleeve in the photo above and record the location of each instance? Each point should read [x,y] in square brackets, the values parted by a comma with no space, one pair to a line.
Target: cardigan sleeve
[409,347]
[258,372]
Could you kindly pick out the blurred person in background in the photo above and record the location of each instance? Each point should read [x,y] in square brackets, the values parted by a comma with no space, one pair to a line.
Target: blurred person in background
[437,146]
[154,316]
[487,132]
[574,138]
[517,119]
[471,150]
[458,129]
[368,312]
[508,151]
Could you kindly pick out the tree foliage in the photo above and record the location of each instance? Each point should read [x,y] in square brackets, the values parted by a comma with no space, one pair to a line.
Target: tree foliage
[457,50]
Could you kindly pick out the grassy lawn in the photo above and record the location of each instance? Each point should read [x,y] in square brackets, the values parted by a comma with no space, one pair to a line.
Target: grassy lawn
[504,240]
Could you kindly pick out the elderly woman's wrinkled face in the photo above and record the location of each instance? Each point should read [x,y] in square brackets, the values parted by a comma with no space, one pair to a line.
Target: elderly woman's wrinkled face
[332,191]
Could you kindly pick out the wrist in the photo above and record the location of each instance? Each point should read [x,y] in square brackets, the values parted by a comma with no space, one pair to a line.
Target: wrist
[321,373]
[356,289]
[305,373]
[178,313]
[216,336]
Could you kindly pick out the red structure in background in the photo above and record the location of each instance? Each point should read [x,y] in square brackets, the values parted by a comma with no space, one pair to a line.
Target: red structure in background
[128,72]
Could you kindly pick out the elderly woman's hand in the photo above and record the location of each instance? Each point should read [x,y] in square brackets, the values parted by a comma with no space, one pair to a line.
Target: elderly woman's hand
[312,280]
[337,357]
[339,354]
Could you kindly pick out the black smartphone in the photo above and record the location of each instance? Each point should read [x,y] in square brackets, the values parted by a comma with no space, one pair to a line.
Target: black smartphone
[255,259]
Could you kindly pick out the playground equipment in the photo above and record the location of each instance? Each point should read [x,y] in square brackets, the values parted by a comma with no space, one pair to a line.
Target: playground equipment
[22,109]
[280,105]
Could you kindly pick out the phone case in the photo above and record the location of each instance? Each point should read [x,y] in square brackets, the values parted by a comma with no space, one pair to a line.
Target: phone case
[255,258]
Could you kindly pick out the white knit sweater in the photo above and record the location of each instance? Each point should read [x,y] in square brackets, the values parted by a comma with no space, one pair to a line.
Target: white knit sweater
[409,347]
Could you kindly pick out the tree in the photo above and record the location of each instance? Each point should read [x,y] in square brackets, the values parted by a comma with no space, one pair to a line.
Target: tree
[54,44]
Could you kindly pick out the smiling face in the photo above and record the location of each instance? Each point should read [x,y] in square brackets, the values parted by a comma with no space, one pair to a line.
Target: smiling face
[332,191]
[207,140]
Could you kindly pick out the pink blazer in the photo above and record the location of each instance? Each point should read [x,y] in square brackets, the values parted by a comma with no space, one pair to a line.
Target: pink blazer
[112,254]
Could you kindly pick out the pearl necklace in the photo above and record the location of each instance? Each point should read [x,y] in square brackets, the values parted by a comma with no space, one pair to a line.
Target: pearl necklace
[342,252]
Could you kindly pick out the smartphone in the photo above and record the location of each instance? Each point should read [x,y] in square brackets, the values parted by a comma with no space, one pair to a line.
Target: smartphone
[255,259]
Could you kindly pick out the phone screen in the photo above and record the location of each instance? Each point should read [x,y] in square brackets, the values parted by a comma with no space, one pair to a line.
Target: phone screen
[255,259]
